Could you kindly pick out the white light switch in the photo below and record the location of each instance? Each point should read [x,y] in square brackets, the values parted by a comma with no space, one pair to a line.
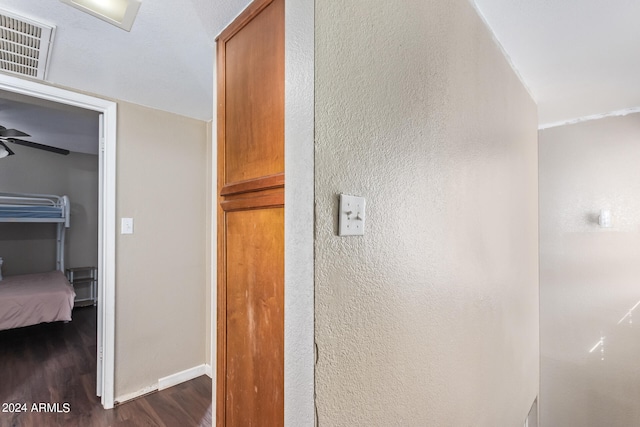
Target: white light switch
[352,216]
[126,226]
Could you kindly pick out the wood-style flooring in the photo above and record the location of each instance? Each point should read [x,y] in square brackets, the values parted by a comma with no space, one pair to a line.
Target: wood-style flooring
[55,363]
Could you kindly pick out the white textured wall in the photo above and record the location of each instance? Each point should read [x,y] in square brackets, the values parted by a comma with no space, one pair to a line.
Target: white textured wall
[590,276]
[299,219]
[431,318]
[161,268]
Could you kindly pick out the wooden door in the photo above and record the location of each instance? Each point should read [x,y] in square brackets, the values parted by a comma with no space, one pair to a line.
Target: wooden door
[250,365]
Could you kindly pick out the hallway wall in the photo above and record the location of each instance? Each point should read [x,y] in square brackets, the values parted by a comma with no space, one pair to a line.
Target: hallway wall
[161,268]
[589,276]
[431,318]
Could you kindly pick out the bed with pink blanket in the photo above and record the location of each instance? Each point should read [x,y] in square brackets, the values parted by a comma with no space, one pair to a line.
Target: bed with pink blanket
[30,299]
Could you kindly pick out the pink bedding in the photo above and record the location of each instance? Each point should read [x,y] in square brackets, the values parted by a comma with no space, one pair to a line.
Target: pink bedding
[35,298]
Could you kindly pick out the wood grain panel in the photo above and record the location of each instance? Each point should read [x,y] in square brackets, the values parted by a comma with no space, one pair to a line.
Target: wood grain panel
[255,317]
[254,97]
[256,184]
[257,202]
[250,328]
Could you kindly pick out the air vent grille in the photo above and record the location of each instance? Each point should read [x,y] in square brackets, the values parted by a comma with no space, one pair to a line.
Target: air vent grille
[24,45]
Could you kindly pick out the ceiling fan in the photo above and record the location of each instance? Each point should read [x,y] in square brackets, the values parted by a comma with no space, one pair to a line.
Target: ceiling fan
[11,136]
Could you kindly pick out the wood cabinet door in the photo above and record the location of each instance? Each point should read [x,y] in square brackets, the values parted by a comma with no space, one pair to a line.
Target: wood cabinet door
[250,354]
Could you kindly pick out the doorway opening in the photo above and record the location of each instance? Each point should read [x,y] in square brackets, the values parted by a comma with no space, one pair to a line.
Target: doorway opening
[106,218]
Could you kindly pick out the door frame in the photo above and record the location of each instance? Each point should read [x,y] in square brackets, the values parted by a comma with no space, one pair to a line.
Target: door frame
[299,217]
[107,226]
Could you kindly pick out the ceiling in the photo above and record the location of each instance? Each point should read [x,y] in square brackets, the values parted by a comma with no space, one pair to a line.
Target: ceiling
[50,123]
[165,62]
[577,57]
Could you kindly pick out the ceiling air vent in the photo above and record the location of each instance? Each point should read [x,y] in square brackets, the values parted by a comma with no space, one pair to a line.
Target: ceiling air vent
[24,45]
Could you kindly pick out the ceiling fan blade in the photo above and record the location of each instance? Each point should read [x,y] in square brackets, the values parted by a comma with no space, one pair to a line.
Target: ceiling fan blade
[39,146]
[9,133]
[7,149]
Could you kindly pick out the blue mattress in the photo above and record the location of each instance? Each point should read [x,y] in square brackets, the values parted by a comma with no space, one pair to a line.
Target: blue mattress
[30,212]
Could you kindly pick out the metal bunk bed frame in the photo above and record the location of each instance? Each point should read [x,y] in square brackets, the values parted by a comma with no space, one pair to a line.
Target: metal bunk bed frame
[43,208]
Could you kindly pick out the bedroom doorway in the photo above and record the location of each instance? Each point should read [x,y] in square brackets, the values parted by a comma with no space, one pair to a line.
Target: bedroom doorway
[106,218]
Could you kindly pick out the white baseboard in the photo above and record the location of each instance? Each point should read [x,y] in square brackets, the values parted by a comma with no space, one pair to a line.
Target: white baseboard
[168,381]
[182,376]
[130,396]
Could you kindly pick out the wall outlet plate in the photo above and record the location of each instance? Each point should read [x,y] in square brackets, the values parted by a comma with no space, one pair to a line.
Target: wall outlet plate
[352,216]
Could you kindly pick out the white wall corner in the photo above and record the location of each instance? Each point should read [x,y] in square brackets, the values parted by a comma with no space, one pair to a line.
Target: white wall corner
[214,239]
[576,120]
[502,49]
[299,367]
[208,371]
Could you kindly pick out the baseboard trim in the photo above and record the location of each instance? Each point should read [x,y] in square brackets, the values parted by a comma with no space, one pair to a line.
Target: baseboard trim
[182,376]
[208,371]
[166,382]
[130,396]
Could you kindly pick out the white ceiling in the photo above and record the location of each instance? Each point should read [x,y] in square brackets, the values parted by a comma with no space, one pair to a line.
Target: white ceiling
[165,62]
[578,57]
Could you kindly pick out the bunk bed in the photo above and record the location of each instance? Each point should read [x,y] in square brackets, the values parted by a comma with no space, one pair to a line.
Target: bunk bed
[36,298]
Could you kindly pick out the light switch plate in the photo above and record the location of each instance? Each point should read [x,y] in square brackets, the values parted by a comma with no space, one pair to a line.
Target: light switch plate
[126,226]
[352,216]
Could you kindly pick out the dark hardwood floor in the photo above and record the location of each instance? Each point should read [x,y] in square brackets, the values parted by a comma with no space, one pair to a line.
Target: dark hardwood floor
[55,364]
